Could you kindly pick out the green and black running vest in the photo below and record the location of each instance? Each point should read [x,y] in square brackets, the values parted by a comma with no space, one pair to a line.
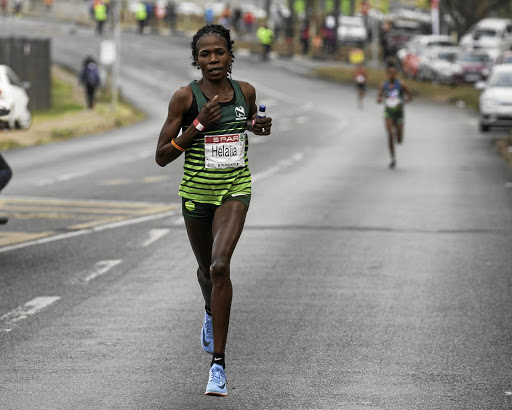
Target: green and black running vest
[216,163]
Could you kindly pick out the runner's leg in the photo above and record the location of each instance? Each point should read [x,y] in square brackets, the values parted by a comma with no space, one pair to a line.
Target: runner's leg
[399,132]
[200,237]
[389,127]
[228,223]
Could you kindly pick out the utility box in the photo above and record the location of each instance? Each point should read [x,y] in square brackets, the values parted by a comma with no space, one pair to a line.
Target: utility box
[31,61]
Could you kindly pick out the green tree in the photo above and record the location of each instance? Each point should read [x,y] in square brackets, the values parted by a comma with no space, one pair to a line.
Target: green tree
[465,13]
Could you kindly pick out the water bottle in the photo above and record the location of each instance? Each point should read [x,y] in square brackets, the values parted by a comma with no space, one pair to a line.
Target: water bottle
[262,111]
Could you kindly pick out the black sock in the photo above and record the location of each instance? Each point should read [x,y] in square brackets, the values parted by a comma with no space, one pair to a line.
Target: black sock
[218,358]
[208,310]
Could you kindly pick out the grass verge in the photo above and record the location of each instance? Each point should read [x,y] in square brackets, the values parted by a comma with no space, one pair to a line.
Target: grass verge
[68,117]
[435,92]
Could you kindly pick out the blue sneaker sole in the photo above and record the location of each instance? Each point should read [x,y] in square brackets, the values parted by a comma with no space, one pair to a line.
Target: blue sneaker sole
[213,393]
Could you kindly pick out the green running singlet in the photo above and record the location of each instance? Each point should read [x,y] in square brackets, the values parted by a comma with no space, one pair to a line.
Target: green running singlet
[216,164]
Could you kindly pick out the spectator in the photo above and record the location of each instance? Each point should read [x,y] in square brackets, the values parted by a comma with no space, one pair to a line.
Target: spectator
[90,78]
[3,7]
[5,177]
[209,15]
[100,15]
[249,21]
[171,15]
[141,15]
[225,16]
[266,37]
[237,19]
[304,38]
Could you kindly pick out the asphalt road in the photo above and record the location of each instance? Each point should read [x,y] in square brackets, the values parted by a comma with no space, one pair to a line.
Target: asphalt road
[355,287]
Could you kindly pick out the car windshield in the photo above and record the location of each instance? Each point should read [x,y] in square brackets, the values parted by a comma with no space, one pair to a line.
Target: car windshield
[474,58]
[447,56]
[440,43]
[485,33]
[501,79]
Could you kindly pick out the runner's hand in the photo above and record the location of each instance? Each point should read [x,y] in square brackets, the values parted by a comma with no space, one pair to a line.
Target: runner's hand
[210,113]
[262,126]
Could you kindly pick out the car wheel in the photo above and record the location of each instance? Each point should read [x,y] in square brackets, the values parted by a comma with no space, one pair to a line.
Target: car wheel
[25,121]
[484,128]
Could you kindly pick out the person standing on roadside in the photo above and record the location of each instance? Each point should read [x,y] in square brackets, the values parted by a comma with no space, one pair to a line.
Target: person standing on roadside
[266,37]
[207,120]
[141,15]
[171,15]
[394,93]
[5,177]
[100,15]
[90,78]
[3,7]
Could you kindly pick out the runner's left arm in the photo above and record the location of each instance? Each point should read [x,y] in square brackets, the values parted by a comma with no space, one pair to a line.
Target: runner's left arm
[262,126]
[408,93]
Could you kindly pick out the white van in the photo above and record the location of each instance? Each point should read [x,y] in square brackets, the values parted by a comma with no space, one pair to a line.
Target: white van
[493,34]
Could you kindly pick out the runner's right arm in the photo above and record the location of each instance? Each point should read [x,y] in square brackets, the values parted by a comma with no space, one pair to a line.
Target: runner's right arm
[180,103]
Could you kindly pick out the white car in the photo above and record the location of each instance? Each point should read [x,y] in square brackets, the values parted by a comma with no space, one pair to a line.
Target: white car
[493,34]
[438,64]
[351,30]
[496,98]
[187,8]
[14,111]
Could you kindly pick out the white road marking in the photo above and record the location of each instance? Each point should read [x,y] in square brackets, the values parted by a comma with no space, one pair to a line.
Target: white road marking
[284,163]
[508,185]
[83,232]
[101,268]
[179,221]
[155,235]
[9,319]
[62,178]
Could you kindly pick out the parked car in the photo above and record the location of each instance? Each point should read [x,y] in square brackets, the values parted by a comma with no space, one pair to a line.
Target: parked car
[14,101]
[351,30]
[438,64]
[410,57]
[474,66]
[493,34]
[188,8]
[496,99]
[402,31]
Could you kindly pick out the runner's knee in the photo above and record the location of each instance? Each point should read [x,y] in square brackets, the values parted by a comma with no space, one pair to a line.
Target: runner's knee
[203,273]
[219,271]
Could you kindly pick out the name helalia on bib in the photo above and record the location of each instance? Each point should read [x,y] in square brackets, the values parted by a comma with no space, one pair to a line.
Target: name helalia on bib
[224,151]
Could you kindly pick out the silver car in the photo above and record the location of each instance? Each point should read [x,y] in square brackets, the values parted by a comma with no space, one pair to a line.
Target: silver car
[14,110]
[496,98]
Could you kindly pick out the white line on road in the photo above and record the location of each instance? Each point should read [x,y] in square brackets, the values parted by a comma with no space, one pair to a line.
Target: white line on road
[73,234]
[284,163]
[9,319]
[155,235]
[62,178]
[101,268]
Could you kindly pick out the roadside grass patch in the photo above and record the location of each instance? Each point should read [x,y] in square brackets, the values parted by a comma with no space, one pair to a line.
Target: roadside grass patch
[432,91]
[68,117]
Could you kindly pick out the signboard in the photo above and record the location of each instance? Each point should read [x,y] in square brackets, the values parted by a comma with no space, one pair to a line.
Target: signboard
[107,52]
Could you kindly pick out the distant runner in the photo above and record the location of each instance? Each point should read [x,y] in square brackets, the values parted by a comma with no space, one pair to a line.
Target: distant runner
[213,113]
[360,78]
[392,93]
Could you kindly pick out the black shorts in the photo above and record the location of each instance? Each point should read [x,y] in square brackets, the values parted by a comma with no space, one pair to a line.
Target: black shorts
[202,212]
[361,86]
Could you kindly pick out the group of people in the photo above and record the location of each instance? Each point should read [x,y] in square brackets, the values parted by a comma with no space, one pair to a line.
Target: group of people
[17,6]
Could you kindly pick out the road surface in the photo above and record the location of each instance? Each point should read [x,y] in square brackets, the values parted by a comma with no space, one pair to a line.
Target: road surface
[355,287]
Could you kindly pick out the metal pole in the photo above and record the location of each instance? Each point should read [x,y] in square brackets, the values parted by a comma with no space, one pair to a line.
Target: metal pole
[375,41]
[117,58]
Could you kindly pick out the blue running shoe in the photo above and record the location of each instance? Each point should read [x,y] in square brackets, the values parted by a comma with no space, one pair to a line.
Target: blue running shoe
[217,382]
[207,334]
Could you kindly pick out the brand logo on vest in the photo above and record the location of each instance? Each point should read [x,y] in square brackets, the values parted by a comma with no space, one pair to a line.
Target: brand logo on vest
[240,113]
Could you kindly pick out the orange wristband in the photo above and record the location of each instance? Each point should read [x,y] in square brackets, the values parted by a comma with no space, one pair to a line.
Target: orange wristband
[176,146]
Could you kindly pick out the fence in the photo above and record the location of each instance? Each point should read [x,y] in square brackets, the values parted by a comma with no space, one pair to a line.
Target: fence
[30,60]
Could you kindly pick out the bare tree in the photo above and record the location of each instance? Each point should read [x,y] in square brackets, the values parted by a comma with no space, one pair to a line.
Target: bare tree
[465,13]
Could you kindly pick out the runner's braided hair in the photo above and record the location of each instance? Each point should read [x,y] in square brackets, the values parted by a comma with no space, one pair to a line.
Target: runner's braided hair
[217,30]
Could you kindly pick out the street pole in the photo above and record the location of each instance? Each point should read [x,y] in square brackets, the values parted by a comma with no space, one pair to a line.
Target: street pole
[375,40]
[268,3]
[117,57]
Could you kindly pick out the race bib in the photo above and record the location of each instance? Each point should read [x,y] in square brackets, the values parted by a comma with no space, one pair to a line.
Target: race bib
[393,100]
[360,79]
[224,151]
